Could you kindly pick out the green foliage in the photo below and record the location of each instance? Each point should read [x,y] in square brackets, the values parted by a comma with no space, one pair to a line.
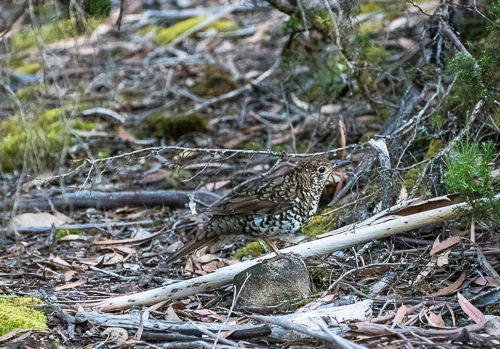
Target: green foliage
[469,174]
[39,140]
[327,79]
[163,36]
[165,125]
[214,82]
[292,24]
[252,249]
[370,55]
[436,121]
[468,75]
[49,33]
[477,78]
[19,313]
[28,92]
[318,20]
[97,8]
[30,68]
[65,232]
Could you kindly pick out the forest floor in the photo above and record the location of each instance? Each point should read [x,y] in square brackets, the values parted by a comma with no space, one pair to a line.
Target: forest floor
[114,142]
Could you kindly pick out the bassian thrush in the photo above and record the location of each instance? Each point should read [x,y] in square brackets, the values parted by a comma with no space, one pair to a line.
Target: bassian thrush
[268,207]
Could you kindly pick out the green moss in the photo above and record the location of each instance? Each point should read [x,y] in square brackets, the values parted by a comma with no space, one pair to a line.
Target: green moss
[496,116]
[320,277]
[302,146]
[176,177]
[255,144]
[51,32]
[165,125]
[19,313]
[382,112]
[28,93]
[65,232]
[214,82]
[163,36]
[435,146]
[40,139]
[318,225]
[31,68]
[252,249]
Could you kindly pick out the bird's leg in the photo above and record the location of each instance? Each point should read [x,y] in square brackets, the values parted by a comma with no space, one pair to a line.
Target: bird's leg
[273,247]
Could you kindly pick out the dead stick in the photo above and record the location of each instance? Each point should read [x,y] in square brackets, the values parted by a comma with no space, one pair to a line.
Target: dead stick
[101,200]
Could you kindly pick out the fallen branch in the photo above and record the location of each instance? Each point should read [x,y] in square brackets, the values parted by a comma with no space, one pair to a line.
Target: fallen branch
[324,334]
[185,328]
[101,200]
[341,239]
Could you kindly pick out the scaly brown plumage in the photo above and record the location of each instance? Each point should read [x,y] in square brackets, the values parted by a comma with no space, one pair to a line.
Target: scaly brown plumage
[268,207]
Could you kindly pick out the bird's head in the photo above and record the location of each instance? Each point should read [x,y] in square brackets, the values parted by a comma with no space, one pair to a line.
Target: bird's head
[316,170]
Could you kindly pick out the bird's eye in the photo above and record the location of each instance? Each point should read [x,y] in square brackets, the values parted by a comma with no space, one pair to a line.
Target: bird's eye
[322,169]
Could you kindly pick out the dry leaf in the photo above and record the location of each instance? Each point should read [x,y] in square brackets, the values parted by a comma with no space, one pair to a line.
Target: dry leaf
[12,334]
[126,241]
[485,281]
[116,335]
[215,185]
[60,261]
[206,258]
[445,244]
[210,267]
[442,259]
[42,219]
[125,135]
[68,275]
[126,250]
[171,315]
[435,320]
[474,313]
[400,314]
[450,288]
[105,259]
[70,285]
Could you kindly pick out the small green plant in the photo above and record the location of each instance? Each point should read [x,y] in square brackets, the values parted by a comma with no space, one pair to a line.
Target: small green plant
[97,8]
[469,174]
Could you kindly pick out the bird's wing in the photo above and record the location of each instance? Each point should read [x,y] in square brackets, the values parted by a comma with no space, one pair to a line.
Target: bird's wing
[254,200]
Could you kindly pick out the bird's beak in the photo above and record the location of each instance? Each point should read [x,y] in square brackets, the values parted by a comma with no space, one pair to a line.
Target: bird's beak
[340,163]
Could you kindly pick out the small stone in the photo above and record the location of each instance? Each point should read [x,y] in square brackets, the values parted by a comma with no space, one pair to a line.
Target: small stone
[273,286]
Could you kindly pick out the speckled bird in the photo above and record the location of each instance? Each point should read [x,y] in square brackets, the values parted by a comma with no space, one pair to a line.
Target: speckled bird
[268,207]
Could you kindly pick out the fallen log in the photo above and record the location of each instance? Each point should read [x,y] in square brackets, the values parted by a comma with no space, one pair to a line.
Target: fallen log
[104,200]
[412,217]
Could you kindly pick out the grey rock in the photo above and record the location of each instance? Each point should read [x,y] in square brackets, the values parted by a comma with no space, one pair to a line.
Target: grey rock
[273,286]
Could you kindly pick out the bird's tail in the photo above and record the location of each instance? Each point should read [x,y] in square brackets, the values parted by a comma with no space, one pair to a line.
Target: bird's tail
[191,247]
